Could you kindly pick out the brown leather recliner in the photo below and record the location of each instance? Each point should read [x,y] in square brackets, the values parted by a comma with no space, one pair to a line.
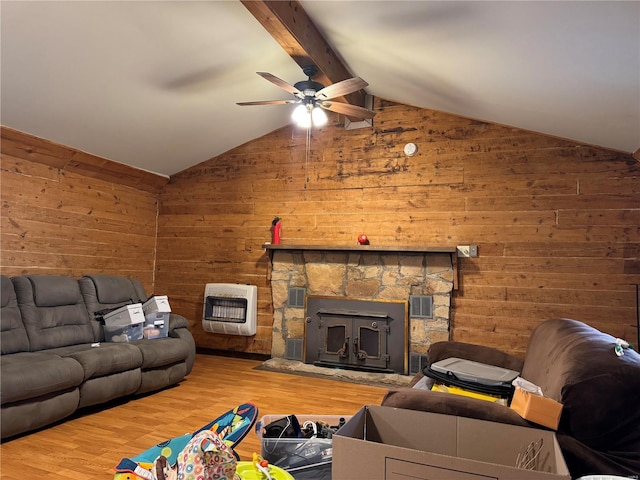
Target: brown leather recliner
[574,364]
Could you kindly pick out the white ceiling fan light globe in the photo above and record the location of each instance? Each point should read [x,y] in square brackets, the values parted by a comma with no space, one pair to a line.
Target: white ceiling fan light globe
[319,117]
[305,121]
[301,116]
[298,113]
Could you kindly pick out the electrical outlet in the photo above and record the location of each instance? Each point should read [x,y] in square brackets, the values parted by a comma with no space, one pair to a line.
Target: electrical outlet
[467,251]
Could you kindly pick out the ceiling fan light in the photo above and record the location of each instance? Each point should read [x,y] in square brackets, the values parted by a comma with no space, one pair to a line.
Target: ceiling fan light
[318,116]
[301,116]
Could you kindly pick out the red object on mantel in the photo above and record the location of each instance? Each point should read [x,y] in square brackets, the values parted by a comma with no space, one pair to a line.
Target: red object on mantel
[363,239]
[275,231]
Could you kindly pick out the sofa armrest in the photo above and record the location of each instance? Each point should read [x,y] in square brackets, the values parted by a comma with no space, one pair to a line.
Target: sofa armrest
[177,321]
[450,404]
[179,328]
[476,353]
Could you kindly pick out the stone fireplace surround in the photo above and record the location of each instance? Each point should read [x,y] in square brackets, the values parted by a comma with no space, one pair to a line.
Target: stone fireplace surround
[362,272]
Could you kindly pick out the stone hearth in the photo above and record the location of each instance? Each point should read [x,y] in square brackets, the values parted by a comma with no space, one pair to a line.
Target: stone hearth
[354,376]
[368,275]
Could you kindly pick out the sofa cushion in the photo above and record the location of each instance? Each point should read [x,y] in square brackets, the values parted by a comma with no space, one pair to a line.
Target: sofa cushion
[52,321]
[584,461]
[139,289]
[107,291]
[29,375]
[24,416]
[50,291]
[103,389]
[103,359]
[603,411]
[14,335]
[158,378]
[162,351]
[450,404]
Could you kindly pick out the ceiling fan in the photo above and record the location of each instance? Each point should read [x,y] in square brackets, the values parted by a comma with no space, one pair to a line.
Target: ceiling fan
[310,95]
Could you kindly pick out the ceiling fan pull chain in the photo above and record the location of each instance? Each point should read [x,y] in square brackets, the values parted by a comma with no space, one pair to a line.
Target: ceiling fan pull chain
[306,157]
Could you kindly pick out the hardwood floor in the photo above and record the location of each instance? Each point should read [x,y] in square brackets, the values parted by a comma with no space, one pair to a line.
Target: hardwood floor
[88,446]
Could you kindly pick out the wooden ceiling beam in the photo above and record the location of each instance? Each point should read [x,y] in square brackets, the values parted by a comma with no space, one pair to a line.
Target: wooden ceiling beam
[291,27]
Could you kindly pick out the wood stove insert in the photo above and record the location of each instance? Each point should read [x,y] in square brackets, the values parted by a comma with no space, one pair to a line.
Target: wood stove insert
[356,334]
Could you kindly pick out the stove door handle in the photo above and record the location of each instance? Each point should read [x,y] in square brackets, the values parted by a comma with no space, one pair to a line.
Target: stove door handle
[344,351]
[360,354]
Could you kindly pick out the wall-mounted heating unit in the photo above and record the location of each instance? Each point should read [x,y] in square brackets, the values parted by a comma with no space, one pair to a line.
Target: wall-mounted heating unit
[230,308]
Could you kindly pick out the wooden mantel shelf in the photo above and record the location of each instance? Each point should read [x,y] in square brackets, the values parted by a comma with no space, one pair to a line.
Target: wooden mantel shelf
[361,248]
[371,248]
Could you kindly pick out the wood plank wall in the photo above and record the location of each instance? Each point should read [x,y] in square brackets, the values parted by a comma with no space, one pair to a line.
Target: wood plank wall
[556,222]
[66,212]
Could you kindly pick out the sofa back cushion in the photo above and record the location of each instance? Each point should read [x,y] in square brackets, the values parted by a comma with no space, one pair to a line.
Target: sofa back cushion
[563,352]
[53,311]
[102,292]
[576,365]
[107,290]
[12,331]
[139,289]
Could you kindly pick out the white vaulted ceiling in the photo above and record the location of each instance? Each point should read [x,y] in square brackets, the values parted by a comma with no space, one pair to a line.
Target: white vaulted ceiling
[154,84]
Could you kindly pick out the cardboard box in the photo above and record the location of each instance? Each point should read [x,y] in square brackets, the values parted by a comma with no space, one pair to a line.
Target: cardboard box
[384,443]
[537,409]
[123,333]
[156,325]
[304,458]
[157,303]
[125,315]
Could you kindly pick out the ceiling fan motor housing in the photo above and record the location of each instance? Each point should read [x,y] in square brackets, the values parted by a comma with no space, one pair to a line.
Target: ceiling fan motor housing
[308,87]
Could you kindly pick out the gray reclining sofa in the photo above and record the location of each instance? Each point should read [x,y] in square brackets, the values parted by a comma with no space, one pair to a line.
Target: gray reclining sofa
[54,356]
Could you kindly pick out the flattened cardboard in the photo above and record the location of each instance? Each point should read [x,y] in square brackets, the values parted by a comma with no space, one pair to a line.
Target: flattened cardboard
[384,443]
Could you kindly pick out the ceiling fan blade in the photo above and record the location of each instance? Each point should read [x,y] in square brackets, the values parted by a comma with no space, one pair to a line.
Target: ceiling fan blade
[267,102]
[281,83]
[348,110]
[341,88]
